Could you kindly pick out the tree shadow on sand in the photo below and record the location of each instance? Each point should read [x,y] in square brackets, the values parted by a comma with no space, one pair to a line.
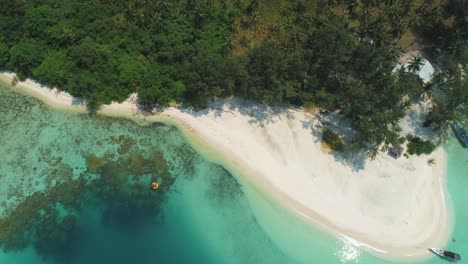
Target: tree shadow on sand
[261,114]
[316,124]
[258,113]
[417,115]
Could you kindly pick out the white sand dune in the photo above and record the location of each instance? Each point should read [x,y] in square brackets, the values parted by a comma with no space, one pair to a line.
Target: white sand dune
[396,208]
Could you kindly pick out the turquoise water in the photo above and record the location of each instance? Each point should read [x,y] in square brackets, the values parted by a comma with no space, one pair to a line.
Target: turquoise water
[88,181]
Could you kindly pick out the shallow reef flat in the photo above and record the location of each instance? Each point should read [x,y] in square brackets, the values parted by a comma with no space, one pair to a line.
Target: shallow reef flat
[74,189]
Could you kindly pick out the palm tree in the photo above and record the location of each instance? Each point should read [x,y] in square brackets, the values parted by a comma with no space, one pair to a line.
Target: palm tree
[200,15]
[191,4]
[163,5]
[285,46]
[209,3]
[350,4]
[391,2]
[228,44]
[253,6]
[394,52]
[295,37]
[256,3]
[415,64]
[394,12]
[255,17]
[424,4]
[158,21]
[283,11]
[307,21]
[239,5]
[332,2]
[370,3]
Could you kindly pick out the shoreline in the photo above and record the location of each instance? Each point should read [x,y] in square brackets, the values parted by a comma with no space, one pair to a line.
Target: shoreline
[259,154]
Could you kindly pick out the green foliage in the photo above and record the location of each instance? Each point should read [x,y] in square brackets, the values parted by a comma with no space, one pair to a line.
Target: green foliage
[333,140]
[331,54]
[418,146]
[264,70]
[88,54]
[4,55]
[129,67]
[158,87]
[55,69]
[453,83]
[431,161]
[105,50]
[24,57]
[38,19]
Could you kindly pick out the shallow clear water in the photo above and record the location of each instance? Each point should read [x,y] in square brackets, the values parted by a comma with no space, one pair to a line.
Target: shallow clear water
[88,181]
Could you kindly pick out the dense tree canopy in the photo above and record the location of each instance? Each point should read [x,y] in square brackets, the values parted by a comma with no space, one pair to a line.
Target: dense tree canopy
[335,55]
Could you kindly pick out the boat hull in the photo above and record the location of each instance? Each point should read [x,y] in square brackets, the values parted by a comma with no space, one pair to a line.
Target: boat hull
[448,255]
[461,134]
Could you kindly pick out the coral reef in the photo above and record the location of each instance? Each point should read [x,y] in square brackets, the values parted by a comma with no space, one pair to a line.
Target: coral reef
[55,166]
[122,186]
[94,163]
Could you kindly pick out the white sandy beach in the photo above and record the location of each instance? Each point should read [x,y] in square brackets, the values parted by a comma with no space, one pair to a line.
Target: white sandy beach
[394,207]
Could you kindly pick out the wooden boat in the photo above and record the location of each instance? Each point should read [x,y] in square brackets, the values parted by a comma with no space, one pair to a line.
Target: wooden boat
[446,254]
[461,134]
